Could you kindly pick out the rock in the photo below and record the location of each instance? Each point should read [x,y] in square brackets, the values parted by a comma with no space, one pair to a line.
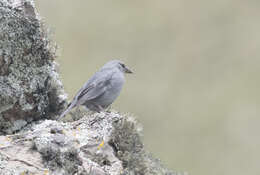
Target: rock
[106,143]
[30,88]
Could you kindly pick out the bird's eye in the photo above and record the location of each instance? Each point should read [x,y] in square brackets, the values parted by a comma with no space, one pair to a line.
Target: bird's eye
[123,65]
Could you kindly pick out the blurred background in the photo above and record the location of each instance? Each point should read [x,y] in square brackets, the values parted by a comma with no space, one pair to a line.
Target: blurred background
[196,82]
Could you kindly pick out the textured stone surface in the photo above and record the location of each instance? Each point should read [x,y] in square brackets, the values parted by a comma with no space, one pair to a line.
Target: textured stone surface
[30,88]
[106,143]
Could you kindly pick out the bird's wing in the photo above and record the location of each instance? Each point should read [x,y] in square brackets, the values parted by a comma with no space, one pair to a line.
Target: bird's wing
[95,87]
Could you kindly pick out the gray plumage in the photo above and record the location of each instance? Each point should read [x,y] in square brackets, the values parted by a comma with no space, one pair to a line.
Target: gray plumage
[101,89]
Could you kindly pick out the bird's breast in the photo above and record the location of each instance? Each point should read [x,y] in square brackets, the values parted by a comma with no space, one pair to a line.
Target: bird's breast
[113,89]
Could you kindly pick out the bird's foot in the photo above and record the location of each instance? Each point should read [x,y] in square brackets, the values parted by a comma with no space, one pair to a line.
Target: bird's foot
[97,119]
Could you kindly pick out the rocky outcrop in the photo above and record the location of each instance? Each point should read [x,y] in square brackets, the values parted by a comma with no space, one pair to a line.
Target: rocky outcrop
[30,88]
[106,143]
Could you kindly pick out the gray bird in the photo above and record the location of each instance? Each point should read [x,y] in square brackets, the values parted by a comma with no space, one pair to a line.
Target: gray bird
[101,89]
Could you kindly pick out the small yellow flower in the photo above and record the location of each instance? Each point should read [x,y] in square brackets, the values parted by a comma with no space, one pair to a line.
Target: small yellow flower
[101,144]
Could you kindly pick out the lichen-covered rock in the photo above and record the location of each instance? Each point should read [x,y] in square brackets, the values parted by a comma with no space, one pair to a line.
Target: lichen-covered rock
[127,144]
[30,88]
[106,143]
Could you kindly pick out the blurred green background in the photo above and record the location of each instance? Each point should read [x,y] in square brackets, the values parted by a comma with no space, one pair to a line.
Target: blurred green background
[196,82]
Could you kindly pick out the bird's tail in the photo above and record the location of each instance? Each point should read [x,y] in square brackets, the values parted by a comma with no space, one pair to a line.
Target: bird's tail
[71,106]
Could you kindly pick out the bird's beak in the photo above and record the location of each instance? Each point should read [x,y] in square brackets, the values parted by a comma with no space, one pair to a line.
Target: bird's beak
[127,70]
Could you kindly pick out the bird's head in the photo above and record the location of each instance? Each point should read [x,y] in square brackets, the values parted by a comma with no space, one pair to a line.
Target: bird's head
[118,64]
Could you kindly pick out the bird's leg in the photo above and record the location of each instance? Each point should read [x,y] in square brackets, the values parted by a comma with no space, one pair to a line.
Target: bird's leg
[96,120]
[108,109]
[98,109]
